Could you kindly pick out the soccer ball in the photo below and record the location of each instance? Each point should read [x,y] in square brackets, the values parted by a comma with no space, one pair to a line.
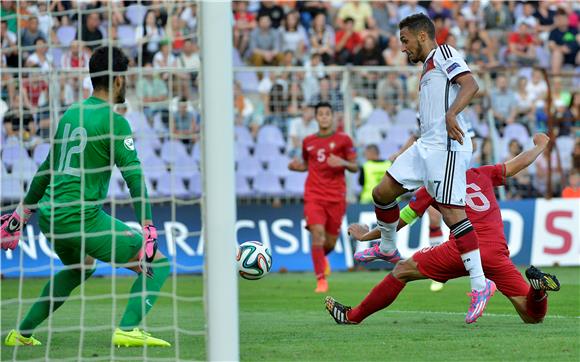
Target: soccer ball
[254,260]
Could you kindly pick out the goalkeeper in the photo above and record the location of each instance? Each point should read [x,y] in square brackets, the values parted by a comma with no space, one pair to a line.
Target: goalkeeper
[68,191]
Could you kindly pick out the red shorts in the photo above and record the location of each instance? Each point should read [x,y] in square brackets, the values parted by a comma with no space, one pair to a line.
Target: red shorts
[443,262]
[326,213]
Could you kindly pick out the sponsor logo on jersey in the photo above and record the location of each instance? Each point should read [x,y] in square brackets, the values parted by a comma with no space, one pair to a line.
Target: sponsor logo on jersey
[309,148]
[452,67]
[129,144]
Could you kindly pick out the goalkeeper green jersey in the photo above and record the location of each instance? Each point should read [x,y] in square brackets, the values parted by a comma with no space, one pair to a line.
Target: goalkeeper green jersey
[72,183]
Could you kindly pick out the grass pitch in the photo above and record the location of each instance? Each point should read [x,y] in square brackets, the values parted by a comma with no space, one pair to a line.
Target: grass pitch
[282,319]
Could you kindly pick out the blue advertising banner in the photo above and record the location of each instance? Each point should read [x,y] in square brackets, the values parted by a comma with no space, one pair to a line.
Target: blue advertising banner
[552,227]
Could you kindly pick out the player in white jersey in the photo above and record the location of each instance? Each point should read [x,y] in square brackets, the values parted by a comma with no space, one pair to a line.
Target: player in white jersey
[440,157]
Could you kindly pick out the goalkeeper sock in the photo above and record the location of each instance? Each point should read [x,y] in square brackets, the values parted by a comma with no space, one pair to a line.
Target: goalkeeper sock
[140,303]
[536,304]
[65,281]
[379,298]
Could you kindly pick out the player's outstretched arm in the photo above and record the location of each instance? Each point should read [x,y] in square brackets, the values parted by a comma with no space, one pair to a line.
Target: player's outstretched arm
[11,225]
[526,158]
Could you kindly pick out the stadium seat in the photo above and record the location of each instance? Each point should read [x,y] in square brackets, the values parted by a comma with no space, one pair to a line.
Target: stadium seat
[14,153]
[139,124]
[173,151]
[279,166]
[354,185]
[518,132]
[387,148]
[184,170]
[154,168]
[249,167]
[241,151]
[136,14]
[66,34]
[196,152]
[117,190]
[268,184]
[195,185]
[271,134]
[24,170]
[144,148]
[379,119]
[266,152]
[243,188]
[12,188]
[171,185]
[294,183]
[367,135]
[40,153]
[116,175]
[406,118]
[248,81]
[243,136]
[397,135]
[56,54]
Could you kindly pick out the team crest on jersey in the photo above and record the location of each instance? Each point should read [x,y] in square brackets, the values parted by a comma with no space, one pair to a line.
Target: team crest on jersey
[331,145]
[452,67]
[129,144]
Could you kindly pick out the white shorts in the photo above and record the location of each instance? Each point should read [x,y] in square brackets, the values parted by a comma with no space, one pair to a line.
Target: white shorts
[441,172]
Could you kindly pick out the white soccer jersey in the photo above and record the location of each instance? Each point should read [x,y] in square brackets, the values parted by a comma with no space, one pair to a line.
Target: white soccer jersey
[437,91]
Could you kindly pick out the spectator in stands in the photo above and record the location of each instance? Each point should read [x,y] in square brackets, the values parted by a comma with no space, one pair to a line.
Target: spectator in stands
[8,13]
[519,186]
[90,32]
[322,38]
[563,43]
[497,18]
[76,57]
[525,107]
[244,109]
[441,30]
[310,10]
[575,111]
[244,23]
[61,7]
[573,188]
[540,182]
[473,12]
[45,20]
[545,16]
[390,93]
[458,29]
[9,44]
[153,93]
[293,37]
[189,16]
[393,54]
[385,16]
[264,43]
[164,59]
[537,88]
[272,11]
[188,59]
[299,128]
[40,58]
[185,125]
[369,54]
[527,15]
[31,33]
[174,31]
[371,172]
[374,31]
[503,103]
[348,42]
[476,56]
[436,9]
[20,126]
[329,94]
[410,7]
[35,95]
[563,118]
[148,36]
[522,46]
[359,11]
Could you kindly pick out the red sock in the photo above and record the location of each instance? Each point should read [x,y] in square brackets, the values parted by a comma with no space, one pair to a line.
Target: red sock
[537,304]
[435,231]
[382,295]
[318,261]
[387,213]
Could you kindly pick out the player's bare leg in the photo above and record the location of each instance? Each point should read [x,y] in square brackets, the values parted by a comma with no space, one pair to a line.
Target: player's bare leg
[329,245]
[318,256]
[387,210]
[482,289]
[435,238]
[380,297]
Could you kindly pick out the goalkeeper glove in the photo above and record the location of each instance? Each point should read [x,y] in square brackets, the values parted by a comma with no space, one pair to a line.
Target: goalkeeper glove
[147,253]
[12,226]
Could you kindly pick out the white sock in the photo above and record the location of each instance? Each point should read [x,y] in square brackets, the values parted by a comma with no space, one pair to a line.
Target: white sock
[388,236]
[472,262]
[435,240]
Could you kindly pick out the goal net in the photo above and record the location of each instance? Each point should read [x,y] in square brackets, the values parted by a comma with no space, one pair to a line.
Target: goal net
[43,74]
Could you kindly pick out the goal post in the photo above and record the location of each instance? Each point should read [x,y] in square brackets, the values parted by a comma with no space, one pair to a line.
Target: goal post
[219,200]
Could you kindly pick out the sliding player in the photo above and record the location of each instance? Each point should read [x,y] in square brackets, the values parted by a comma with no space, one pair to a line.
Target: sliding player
[325,156]
[68,192]
[443,262]
[439,159]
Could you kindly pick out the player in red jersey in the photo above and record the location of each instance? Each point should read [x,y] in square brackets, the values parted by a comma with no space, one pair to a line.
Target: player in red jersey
[443,262]
[325,156]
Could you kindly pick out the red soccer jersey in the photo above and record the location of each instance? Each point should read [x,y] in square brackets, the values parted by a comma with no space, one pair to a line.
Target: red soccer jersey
[326,183]
[482,208]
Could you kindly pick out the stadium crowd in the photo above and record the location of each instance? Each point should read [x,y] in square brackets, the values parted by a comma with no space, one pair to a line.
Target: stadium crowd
[46,46]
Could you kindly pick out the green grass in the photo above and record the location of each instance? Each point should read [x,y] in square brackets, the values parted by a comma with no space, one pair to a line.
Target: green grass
[282,319]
